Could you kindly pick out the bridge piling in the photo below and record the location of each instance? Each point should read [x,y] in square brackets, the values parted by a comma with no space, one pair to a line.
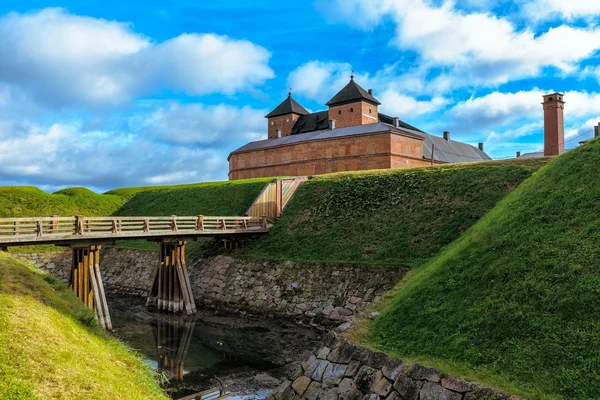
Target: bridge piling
[86,282]
[171,289]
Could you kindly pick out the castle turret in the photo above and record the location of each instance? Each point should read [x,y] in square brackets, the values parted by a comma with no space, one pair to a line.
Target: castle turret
[353,106]
[284,116]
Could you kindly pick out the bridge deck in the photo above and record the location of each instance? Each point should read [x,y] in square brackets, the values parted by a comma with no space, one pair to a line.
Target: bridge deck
[61,230]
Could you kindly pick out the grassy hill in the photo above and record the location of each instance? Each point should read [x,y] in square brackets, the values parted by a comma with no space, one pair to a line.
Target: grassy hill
[211,198]
[397,217]
[26,201]
[51,347]
[516,300]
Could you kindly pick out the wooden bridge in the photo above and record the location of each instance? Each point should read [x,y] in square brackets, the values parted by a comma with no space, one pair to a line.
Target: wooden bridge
[170,289]
[71,230]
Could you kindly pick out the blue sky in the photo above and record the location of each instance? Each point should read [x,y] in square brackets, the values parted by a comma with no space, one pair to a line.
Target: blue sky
[112,94]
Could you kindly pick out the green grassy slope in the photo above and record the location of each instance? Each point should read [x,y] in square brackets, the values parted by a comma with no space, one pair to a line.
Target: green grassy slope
[212,198]
[516,300]
[51,347]
[396,217]
[25,201]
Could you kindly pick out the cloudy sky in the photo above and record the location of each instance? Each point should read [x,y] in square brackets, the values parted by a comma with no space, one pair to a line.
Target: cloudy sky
[126,93]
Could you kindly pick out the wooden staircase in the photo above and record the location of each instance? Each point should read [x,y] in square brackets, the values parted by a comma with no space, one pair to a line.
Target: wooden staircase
[273,199]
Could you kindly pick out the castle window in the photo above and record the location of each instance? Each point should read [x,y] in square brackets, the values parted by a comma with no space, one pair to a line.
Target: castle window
[272,123]
[287,120]
[339,112]
[351,109]
[550,99]
[369,111]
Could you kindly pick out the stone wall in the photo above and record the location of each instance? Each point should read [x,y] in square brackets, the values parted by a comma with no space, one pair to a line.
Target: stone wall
[123,270]
[323,293]
[341,371]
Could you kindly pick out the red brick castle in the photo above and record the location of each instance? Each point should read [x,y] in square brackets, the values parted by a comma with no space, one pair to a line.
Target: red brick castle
[350,135]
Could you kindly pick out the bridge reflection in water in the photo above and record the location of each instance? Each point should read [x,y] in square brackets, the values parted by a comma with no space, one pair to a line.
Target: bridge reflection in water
[172,339]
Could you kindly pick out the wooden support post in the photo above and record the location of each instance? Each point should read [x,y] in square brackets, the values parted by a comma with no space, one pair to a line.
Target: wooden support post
[86,282]
[171,288]
[278,197]
[432,152]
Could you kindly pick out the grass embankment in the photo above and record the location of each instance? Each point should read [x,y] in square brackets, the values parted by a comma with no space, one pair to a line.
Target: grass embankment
[395,217]
[26,201]
[51,346]
[212,198]
[516,301]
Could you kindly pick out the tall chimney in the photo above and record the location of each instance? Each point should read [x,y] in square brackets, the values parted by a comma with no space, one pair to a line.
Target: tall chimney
[371,92]
[554,124]
[396,122]
[480,146]
[518,154]
[446,135]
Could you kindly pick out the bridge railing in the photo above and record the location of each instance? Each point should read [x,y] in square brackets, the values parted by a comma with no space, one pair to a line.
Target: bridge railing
[12,229]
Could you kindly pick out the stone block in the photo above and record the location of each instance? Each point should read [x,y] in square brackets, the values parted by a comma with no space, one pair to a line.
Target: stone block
[293,371]
[408,388]
[321,366]
[313,391]
[353,368]
[421,373]
[346,385]
[353,394]
[394,396]
[392,368]
[306,364]
[342,354]
[372,396]
[434,391]
[328,394]
[323,352]
[377,360]
[288,394]
[458,385]
[334,374]
[383,387]
[301,384]
[365,378]
[485,394]
[281,388]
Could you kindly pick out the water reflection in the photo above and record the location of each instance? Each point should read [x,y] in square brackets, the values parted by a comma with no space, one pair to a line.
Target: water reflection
[241,355]
[172,340]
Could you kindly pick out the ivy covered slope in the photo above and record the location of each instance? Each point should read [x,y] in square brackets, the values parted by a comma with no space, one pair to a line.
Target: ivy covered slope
[26,201]
[516,300]
[395,217]
[51,347]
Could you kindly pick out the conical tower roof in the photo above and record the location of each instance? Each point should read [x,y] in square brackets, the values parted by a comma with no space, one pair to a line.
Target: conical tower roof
[350,93]
[288,106]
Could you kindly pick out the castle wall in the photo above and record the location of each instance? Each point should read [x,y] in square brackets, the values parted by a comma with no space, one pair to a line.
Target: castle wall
[379,150]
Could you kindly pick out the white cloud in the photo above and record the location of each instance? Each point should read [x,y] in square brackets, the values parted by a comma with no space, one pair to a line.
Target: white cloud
[566,8]
[404,106]
[69,59]
[209,126]
[168,145]
[480,48]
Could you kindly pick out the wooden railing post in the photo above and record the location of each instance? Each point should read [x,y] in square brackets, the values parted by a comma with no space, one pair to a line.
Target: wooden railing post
[278,197]
[174,223]
[200,223]
[264,222]
[146,225]
[79,225]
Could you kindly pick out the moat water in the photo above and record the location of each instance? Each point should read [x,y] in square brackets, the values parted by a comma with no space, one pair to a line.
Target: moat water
[242,355]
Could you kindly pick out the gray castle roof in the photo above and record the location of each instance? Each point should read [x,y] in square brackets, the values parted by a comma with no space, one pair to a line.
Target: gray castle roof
[351,93]
[445,150]
[288,106]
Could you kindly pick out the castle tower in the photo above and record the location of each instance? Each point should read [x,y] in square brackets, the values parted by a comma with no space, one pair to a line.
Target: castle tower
[554,124]
[353,106]
[284,116]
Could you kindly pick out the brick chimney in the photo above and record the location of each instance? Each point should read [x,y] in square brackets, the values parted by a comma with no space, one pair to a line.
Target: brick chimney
[554,124]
